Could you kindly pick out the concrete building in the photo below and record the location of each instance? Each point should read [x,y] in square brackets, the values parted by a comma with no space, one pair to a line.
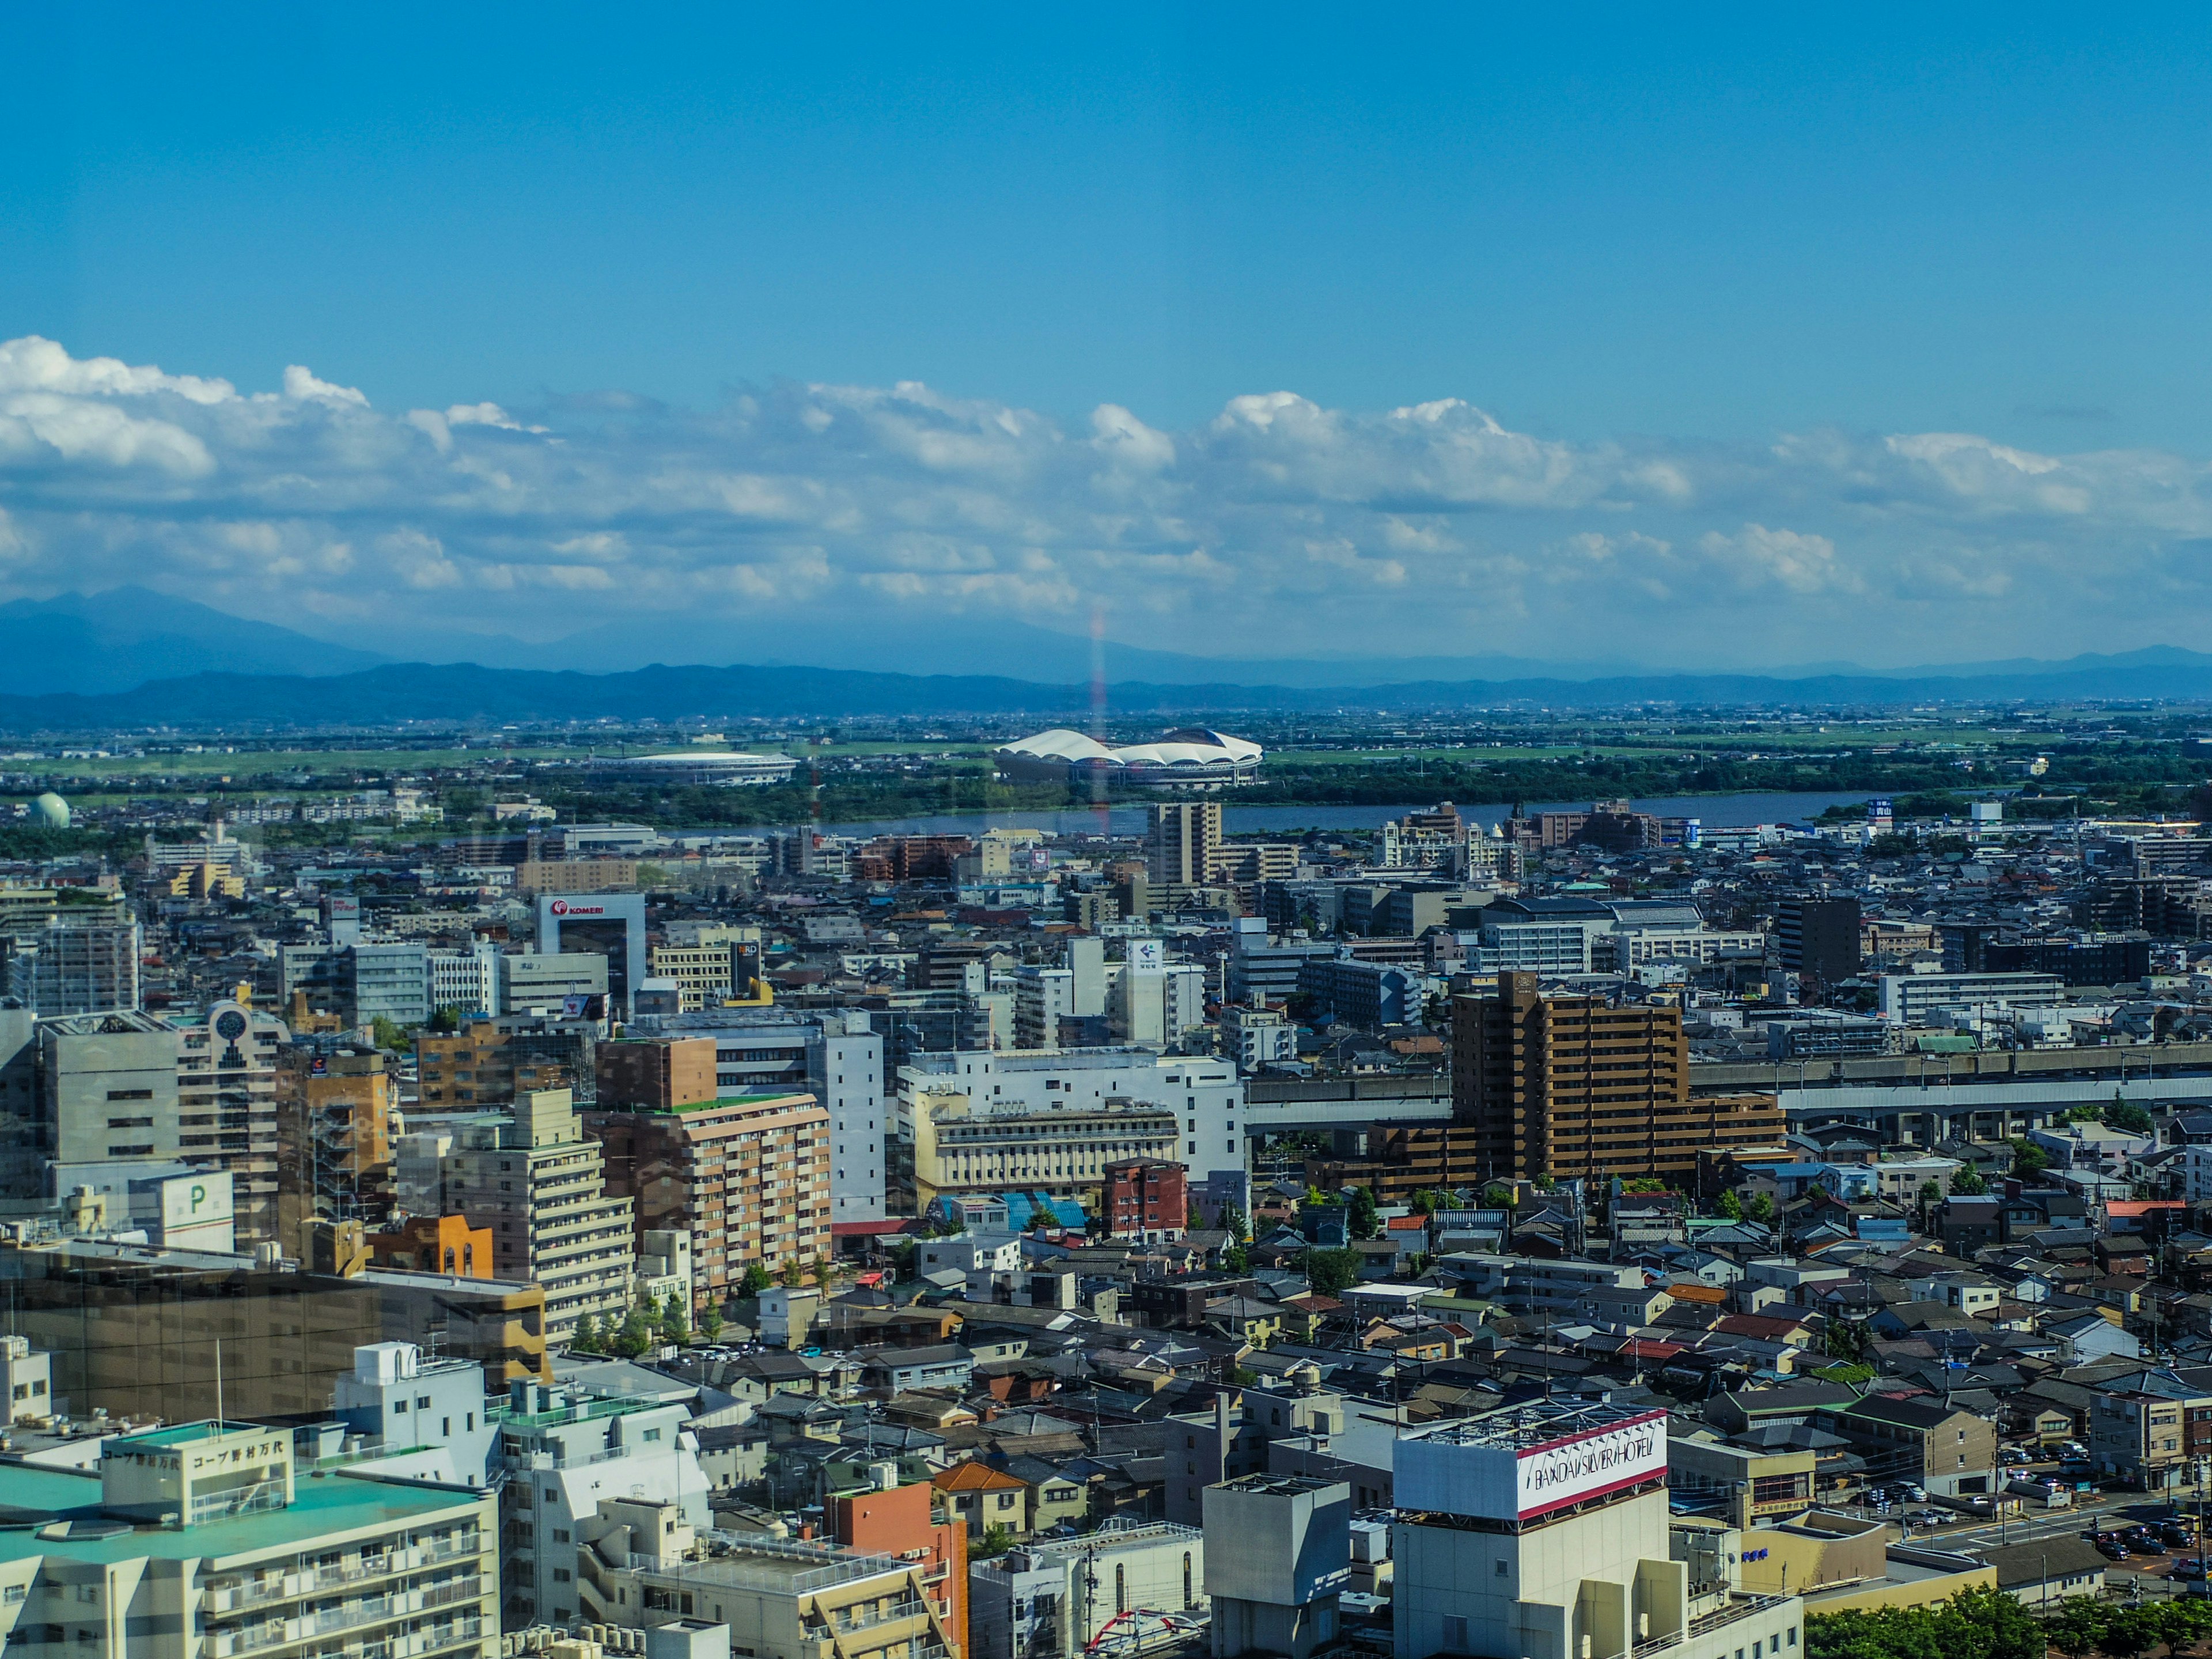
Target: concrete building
[1534,947]
[1204,1093]
[1366,995]
[746,1176]
[1043,997]
[902,1521]
[466,981]
[1280,1557]
[388,981]
[1182,839]
[567,1454]
[530,982]
[1254,1037]
[1911,998]
[1821,937]
[401,1401]
[1565,1086]
[257,1559]
[963,1144]
[539,1184]
[1053,1601]
[1542,1530]
[782,1601]
[79,968]
[1540,1288]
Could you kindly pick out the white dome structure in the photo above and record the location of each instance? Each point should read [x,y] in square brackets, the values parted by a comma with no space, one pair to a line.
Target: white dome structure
[1190,756]
[51,811]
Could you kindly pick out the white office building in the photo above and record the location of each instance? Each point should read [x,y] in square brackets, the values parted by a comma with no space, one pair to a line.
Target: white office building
[1911,998]
[466,981]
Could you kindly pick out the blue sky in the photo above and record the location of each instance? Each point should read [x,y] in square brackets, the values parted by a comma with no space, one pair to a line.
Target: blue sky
[1753,251]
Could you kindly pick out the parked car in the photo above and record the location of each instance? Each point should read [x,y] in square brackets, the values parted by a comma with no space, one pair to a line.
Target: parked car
[1930,1517]
[2175,1538]
[2188,1572]
[1918,1494]
[2111,1549]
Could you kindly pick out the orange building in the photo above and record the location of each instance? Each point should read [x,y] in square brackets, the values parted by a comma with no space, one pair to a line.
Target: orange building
[903,1521]
[434,1244]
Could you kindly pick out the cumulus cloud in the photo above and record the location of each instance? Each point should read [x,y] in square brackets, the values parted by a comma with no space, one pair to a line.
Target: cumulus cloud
[1278,523]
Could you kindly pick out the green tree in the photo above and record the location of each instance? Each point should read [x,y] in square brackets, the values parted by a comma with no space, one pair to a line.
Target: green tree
[390,1034]
[675,1323]
[1966,1182]
[1362,1221]
[2126,1115]
[824,1272]
[756,1279]
[1330,1272]
[710,1318]
[997,1540]
[446,1020]
[586,1337]
[2028,1158]
[793,1275]
[1234,1224]
[1422,1202]
[1729,1207]
[1761,1209]
[635,1335]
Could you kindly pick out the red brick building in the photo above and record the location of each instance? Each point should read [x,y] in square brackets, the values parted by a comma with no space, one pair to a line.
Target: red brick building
[1144,1198]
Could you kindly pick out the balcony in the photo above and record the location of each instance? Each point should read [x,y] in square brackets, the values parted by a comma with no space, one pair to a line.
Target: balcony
[1743,1607]
[311,1580]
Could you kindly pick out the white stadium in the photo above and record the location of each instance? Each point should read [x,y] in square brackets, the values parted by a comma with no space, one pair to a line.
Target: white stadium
[700,767]
[1190,756]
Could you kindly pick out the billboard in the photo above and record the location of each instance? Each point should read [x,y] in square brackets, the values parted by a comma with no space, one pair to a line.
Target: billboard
[197,1211]
[1463,1471]
[1145,953]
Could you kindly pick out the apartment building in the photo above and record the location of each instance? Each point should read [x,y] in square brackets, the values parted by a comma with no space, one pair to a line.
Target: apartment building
[1821,937]
[1565,1086]
[570,1455]
[1182,842]
[539,1184]
[781,1598]
[837,1057]
[258,1557]
[746,1176]
[962,1145]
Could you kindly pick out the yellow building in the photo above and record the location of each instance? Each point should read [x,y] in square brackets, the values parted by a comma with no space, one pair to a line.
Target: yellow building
[961,1148]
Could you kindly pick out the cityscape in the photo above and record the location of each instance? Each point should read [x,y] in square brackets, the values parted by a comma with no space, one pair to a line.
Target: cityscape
[1196,835]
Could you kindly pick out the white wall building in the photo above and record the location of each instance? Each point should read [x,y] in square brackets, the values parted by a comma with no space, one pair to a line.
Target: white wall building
[1205,1093]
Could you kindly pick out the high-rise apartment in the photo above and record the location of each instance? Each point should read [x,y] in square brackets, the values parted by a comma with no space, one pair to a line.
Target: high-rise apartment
[489,1062]
[1573,1085]
[746,1176]
[1820,937]
[1181,843]
[539,1183]
[198,1540]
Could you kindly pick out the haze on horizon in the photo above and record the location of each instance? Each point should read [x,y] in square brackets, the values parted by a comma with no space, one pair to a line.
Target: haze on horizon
[1721,341]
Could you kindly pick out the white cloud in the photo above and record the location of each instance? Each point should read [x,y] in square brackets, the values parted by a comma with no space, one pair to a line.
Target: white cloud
[1279,525]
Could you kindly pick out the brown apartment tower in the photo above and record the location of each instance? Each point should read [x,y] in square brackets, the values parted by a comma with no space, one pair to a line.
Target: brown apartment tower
[1570,1085]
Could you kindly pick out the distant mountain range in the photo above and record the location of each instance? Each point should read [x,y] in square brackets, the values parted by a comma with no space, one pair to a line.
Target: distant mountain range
[467,694]
[131,657]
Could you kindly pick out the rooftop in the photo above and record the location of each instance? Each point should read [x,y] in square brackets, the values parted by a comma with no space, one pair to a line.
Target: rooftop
[324,1504]
[1541,1423]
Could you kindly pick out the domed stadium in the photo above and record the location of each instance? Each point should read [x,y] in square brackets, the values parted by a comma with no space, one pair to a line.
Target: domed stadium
[1190,756]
